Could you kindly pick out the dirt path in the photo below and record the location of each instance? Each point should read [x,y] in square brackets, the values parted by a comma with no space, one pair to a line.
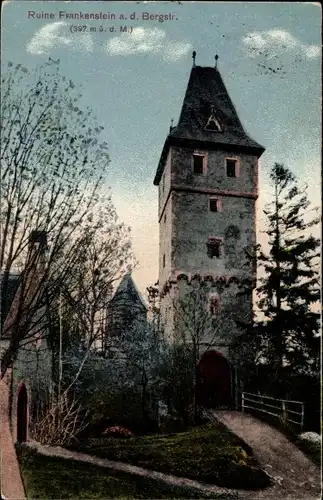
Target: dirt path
[294,475]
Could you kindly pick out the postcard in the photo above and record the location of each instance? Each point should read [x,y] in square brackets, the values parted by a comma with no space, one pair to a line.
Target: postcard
[160,249]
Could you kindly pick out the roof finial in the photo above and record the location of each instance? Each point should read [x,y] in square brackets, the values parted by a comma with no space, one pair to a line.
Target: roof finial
[193,56]
[216,57]
[171,125]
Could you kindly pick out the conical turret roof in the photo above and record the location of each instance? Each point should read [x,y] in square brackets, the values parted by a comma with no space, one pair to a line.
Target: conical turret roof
[128,293]
[208,118]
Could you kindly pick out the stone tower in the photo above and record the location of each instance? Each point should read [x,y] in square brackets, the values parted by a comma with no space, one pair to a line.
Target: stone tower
[208,186]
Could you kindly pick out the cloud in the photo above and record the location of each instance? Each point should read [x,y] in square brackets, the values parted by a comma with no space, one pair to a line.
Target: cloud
[55,35]
[278,41]
[140,41]
[148,41]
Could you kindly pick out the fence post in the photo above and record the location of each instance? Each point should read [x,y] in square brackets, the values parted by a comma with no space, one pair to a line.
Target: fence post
[302,421]
[284,412]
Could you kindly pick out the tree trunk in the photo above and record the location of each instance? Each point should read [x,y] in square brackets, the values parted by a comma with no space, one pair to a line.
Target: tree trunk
[195,406]
[279,339]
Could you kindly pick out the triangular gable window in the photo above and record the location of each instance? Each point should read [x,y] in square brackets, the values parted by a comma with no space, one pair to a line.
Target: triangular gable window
[213,123]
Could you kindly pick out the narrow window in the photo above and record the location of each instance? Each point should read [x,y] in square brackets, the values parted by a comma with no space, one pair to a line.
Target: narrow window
[164,260]
[213,247]
[231,168]
[215,205]
[198,164]
[164,218]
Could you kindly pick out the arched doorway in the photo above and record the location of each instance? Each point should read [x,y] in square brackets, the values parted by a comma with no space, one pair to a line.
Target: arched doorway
[22,414]
[213,389]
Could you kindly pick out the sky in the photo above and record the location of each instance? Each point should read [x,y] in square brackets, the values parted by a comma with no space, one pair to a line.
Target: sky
[135,81]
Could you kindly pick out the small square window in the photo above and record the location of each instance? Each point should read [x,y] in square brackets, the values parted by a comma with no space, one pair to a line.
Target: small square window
[164,260]
[213,250]
[198,164]
[215,205]
[231,168]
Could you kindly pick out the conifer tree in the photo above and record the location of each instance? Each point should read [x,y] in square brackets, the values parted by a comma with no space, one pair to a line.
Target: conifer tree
[289,287]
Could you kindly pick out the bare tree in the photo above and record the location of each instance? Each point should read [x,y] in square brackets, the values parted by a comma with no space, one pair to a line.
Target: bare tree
[52,166]
[202,320]
[103,257]
[61,422]
[141,353]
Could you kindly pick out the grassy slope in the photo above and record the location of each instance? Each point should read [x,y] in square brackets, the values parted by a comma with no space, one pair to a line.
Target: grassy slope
[209,453]
[58,478]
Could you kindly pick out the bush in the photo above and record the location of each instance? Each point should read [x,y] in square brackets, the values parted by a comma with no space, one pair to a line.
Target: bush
[61,423]
[311,444]
[311,437]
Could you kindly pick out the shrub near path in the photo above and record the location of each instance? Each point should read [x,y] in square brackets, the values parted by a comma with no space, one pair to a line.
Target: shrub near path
[209,453]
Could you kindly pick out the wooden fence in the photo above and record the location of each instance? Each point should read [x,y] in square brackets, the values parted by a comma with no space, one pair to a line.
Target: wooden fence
[288,411]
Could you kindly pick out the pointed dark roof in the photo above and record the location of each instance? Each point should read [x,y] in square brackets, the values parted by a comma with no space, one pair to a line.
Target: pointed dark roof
[206,94]
[9,284]
[19,293]
[128,293]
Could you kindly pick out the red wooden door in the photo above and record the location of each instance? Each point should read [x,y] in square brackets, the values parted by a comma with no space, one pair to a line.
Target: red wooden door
[213,381]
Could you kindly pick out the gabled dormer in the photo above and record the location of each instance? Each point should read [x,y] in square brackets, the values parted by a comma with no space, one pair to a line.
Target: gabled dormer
[213,123]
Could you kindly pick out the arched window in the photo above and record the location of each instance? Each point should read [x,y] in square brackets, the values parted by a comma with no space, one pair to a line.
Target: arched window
[22,414]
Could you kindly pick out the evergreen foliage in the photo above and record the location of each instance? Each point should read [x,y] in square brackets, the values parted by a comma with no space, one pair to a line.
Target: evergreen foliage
[289,287]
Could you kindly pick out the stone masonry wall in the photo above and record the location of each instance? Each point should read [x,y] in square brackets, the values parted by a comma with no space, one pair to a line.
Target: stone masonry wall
[215,174]
[184,234]
[165,225]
